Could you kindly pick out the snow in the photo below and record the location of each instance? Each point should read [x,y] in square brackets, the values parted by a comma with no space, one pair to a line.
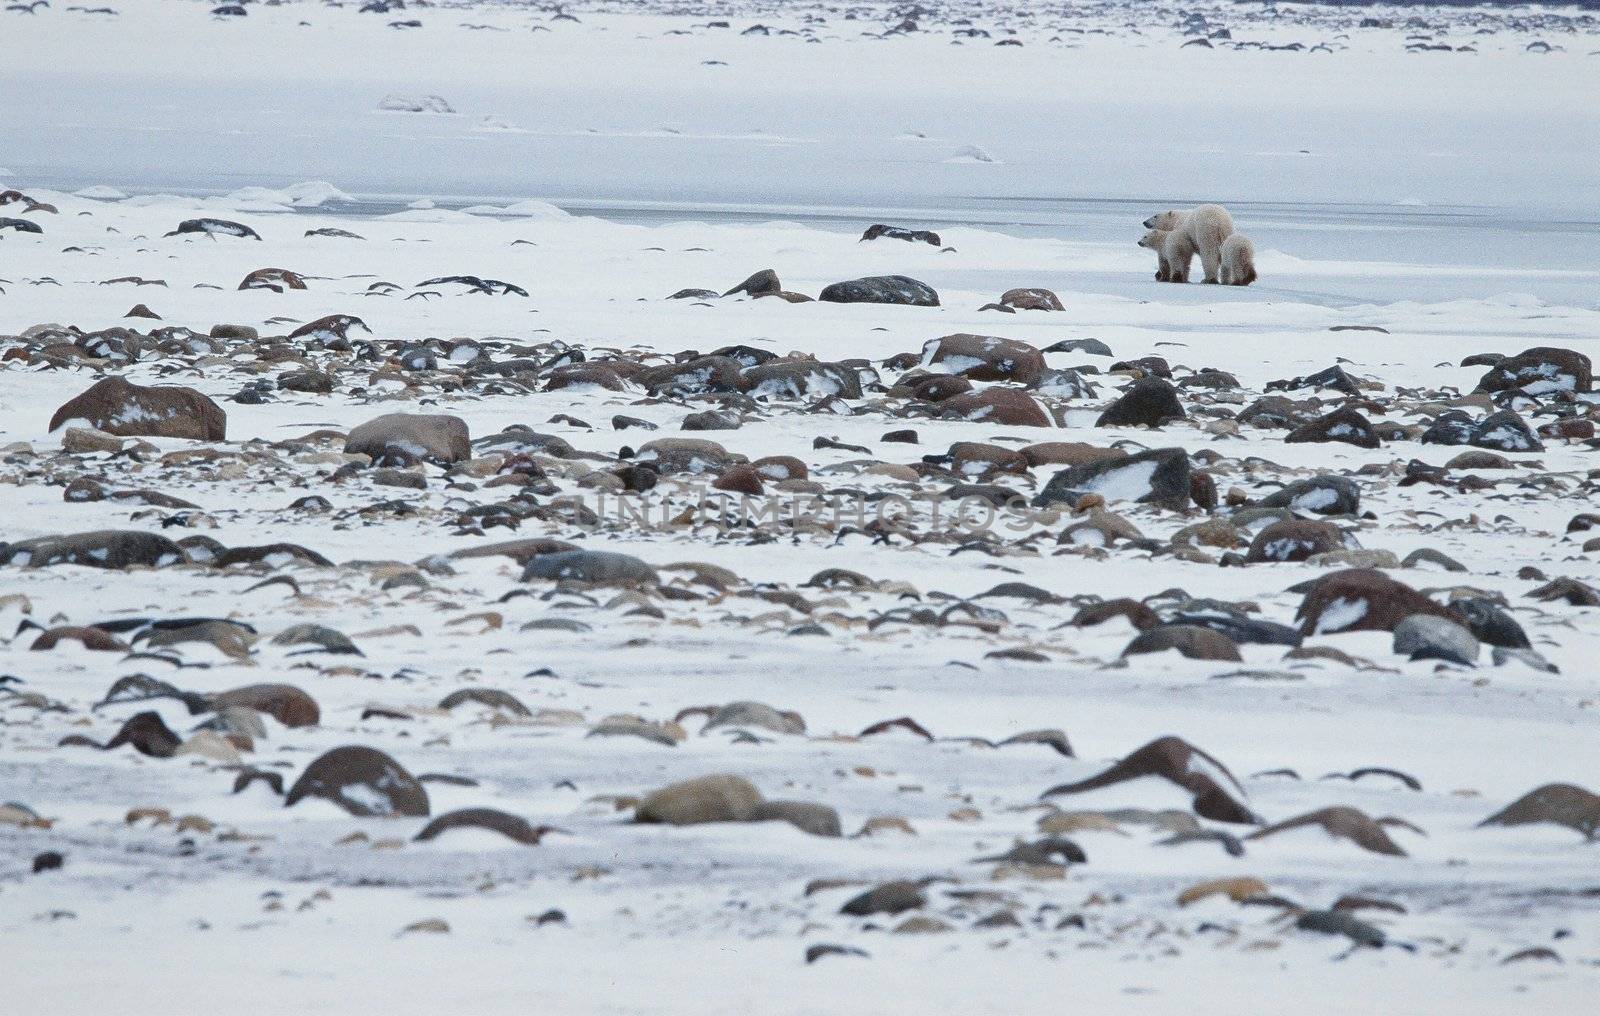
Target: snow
[1420,211]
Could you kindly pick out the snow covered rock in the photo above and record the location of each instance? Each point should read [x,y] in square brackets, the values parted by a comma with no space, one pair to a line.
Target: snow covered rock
[124,409]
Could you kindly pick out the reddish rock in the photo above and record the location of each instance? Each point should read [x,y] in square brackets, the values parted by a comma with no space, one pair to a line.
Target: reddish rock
[1007,407]
[124,409]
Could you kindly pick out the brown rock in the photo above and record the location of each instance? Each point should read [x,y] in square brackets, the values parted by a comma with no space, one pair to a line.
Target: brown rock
[118,407]
[1007,407]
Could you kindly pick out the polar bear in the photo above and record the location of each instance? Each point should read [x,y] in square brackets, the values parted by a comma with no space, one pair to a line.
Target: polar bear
[1206,226]
[1238,267]
[1174,254]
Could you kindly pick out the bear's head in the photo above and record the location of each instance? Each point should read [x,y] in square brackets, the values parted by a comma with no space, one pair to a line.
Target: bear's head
[1164,220]
[1153,239]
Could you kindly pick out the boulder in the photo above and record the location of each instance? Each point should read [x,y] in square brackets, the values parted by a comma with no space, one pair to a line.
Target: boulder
[124,409]
[985,357]
[1149,402]
[1344,425]
[896,289]
[363,781]
[405,438]
[1159,476]
[1007,407]
[721,797]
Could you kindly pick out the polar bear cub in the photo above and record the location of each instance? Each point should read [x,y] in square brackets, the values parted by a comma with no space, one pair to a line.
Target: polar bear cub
[1174,254]
[1205,226]
[1238,267]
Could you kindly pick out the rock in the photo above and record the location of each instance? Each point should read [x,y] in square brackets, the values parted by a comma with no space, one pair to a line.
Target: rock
[666,734]
[801,379]
[93,639]
[1159,476]
[405,438]
[1192,641]
[930,387]
[1505,431]
[1217,794]
[287,704]
[720,797]
[696,376]
[1340,922]
[1425,637]
[816,819]
[600,567]
[1344,425]
[1091,347]
[363,781]
[1480,460]
[758,715]
[1484,618]
[710,419]
[1238,889]
[740,478]
[1007,407]
[118,407]
[896,289]
[1558,803]
[1295,540]
[686,455]
[888,898]
[1033,299]
[1068,453]
[1360,599]
[216,227]
[510,826]
[759,284]
[898,233]
[1321,495]
[1138,614]
[116,549]
[1542,370]
[1146,403]
[89,441]
[1243,630]
[584,375]
[694,294]
[212,745]
[985,358]
[1341,823]
[493,698]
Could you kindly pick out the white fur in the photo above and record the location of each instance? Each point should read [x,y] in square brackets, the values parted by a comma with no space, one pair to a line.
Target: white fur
[1238,267]
[1205,226]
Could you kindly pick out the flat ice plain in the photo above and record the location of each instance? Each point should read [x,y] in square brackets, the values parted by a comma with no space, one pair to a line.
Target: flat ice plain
[1447,198]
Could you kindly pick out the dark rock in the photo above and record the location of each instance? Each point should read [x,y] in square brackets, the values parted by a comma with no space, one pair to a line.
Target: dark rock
[1344,425]
[1159,476]
[1361,599]
[889,898]
[118,407]
[363,781]
[1146,403]
[1007,407]
[1542,370]
[985,357]
[1217,794]
[601,567]
[1295,540]
[1321,495]
[895,289]
[897,233]
[1192,641]
[1558,803]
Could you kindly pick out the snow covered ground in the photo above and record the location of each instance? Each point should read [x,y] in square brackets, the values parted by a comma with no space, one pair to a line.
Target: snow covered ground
[1431,206]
